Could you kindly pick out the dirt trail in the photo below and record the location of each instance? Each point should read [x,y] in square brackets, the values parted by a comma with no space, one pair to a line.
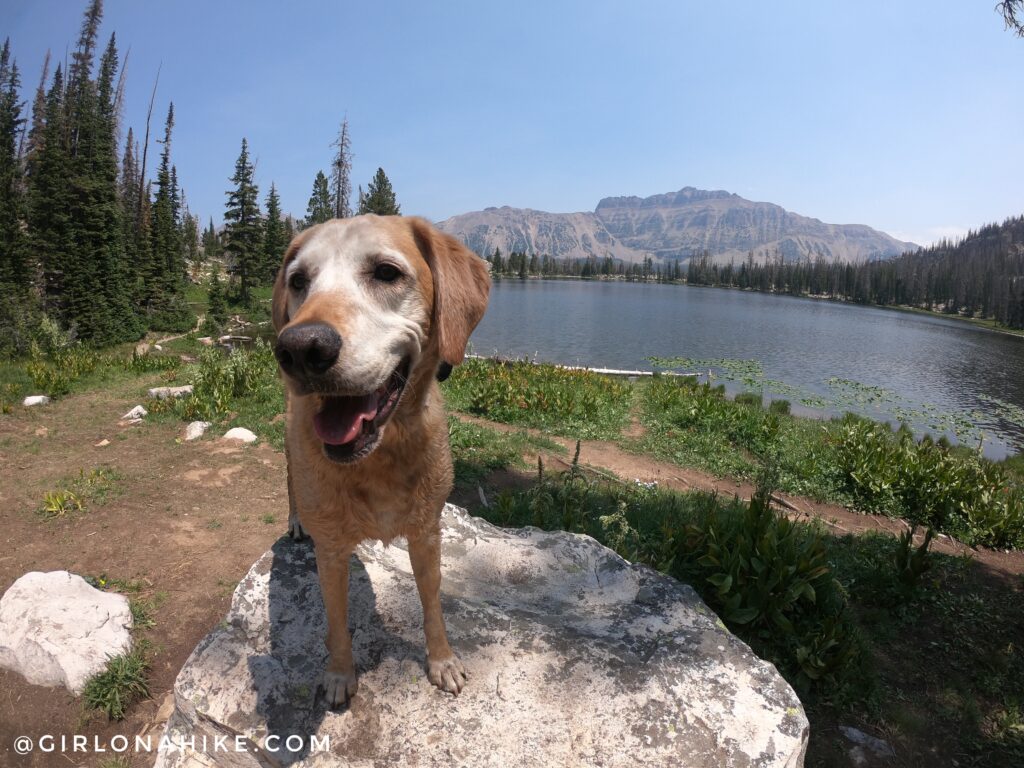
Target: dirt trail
[610,459]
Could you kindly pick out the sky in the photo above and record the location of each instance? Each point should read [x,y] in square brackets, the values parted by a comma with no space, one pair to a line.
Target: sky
[907,116]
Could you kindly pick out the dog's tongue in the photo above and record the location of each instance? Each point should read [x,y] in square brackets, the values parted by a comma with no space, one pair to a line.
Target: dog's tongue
[341,419]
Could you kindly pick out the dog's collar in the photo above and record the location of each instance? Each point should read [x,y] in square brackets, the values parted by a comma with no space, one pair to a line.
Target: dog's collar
[444,370]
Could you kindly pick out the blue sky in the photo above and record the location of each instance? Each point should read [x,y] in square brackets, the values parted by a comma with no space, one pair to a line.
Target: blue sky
[907,116]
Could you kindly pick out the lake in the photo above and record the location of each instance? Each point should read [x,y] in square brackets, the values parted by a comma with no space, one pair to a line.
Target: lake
[940,375]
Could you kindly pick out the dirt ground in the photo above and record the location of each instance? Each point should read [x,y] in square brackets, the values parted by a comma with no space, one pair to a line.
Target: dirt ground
[187,520]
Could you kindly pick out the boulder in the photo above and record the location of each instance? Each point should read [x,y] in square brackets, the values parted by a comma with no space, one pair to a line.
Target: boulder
[206,341]
[55,629]
[196,429]
[136,414]
[31,400]
[575,657]
[165,393]
[241,434]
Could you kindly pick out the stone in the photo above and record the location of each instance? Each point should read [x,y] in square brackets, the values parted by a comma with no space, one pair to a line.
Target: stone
[575,657]
[206,341]
[102,443]
[31,400]
[196,429]
[142,348]
[241,434]
[165,393]
[55,629]
[866,748]
[136,414]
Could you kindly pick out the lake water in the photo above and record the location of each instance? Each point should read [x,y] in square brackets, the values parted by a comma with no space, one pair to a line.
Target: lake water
[941,375]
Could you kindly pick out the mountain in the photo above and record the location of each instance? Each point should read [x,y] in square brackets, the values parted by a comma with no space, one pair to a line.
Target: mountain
[676,225]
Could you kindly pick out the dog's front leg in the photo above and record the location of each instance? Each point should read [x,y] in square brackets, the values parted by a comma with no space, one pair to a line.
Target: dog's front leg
[340,682]
[443,667]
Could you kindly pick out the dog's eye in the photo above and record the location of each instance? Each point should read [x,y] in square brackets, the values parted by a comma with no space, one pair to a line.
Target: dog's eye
[386,273]
[298,282]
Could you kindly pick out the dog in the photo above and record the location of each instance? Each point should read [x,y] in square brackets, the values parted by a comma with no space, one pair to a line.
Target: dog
[370,312]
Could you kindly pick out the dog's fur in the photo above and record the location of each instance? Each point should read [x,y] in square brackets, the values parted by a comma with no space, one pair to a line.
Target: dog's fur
[400,487]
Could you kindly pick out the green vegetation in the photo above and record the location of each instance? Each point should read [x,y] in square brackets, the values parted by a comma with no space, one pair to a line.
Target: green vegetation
[241,388]
[77,492]
[572,403]
[121,684]
[478,451]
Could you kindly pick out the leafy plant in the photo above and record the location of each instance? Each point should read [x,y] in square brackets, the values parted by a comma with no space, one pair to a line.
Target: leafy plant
[119,685]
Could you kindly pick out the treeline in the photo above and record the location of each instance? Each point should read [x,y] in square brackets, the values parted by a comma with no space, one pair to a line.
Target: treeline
[522,265]
[85,238]
[92,246]
[980,276]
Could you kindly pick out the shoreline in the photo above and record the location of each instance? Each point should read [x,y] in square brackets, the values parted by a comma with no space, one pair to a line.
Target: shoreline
[981,323]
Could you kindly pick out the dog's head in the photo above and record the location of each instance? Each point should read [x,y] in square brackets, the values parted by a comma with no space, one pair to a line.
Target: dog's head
[364,305]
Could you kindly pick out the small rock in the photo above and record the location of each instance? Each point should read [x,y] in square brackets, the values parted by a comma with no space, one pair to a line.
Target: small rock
[196,429]
[136,414]
[165,393]
[158,348]
[142,348]
[42,432]
[240,433]
[35,400]
[206,341]
[102,443]
[863,744]
[57,630]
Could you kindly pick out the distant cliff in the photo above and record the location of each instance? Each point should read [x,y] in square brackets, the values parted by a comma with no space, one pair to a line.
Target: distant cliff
[676,225]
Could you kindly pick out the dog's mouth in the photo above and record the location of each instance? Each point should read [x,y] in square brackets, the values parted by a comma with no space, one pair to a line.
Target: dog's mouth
[350,425]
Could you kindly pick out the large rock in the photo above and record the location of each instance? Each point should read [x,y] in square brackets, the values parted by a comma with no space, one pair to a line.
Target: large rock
[169,393]
[55,629]
[575,657]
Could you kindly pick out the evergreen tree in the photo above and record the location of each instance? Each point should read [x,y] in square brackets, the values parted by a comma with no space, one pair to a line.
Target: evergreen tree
[379,197]
[210,243]
[165,281]
[12,270]
[191,251]
[243,232]
[217,310]
[341,174]
[320,208]
[274,237]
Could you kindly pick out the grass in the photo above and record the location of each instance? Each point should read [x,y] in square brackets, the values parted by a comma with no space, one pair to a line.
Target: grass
[119,685]
[564,402]
[77,492]
[478,451]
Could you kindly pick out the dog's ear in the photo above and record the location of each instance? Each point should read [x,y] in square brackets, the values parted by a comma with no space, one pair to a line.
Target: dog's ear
[462,282]
[279,303]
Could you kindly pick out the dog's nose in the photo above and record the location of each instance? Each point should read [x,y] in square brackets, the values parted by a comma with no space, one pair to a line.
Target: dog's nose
[310,348]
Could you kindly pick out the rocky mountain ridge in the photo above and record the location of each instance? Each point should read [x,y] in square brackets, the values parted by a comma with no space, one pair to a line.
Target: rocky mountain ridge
[671,226]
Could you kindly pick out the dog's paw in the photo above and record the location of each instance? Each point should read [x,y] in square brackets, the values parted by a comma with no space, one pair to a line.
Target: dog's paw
[339,687]
[295,529]
[447,674]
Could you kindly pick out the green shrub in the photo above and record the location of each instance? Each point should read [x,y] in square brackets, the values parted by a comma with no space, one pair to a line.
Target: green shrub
[953,491]
[780,407]
[751,399]
[55,375]
[567,401]
[221,378]
[149,362]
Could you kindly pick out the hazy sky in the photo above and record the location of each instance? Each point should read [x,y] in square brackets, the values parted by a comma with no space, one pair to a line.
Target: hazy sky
[907,116]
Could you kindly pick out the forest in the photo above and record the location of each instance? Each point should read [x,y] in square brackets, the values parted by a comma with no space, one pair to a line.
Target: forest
[91,246]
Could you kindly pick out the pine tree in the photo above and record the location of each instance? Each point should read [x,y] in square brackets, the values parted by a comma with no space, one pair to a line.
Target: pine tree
[17,300]
[274,237]
[165,281]
[341,173]
[210,243]
[243,232]
[12,270]
[379,197]
[217,310]
[320,208]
